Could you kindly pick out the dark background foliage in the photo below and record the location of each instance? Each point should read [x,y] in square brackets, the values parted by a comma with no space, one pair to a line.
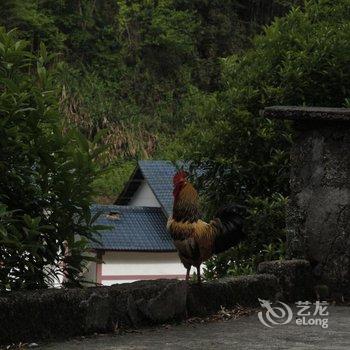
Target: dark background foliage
[301,59]
[131,66]
[175,79]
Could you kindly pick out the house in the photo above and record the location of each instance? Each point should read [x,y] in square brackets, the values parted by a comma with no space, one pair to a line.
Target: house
[138,246]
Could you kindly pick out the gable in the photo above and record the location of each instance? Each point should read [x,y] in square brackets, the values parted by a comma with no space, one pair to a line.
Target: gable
[144,197]
[158,175]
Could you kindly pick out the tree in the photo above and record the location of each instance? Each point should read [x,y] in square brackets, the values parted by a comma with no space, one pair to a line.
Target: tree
[46,175]
[129,65]
[301,59]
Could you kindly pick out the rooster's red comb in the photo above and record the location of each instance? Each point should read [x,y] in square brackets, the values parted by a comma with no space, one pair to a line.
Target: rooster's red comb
[181,175]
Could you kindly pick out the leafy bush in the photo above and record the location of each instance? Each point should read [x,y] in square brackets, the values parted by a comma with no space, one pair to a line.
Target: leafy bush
[301,59]
[46,175]
[265,239]
[129,64]
[112,181]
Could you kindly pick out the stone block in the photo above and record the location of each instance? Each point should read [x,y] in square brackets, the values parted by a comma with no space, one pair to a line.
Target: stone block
[294,278]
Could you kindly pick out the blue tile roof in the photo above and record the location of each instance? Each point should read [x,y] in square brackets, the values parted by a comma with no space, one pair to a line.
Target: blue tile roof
[133,229]
[159,175]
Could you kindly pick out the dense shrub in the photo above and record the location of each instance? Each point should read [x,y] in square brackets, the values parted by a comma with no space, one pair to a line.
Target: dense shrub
[301,59]
[46,175]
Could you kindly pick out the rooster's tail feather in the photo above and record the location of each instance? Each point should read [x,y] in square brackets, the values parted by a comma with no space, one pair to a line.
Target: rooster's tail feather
[229,225]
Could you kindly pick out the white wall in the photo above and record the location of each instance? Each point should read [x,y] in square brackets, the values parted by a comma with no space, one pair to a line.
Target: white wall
[126,267]
[122,267]
[90,270]
[144,197]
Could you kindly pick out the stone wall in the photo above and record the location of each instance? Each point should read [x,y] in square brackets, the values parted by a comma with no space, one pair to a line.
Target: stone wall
[318,215]
[228,292]
[60,313]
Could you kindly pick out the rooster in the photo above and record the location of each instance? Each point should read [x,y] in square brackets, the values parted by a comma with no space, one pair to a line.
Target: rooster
[195,239]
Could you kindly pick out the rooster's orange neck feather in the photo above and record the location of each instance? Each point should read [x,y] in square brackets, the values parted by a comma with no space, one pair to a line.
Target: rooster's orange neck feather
[186,203]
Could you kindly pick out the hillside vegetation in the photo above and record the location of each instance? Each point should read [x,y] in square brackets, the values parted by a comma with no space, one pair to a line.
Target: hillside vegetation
[130,68]
[166,79]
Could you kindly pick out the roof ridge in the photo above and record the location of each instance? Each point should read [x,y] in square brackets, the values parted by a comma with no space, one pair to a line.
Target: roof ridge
[154,161]
[142,166]
[127,207]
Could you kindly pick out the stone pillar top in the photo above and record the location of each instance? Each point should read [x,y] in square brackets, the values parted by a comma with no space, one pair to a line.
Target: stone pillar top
[307,113]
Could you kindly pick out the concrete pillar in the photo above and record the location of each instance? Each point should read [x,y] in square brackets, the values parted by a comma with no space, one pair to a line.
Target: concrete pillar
[318,213]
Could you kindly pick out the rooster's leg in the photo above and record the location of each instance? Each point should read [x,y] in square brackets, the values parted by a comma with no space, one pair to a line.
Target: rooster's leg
[188,274]
[199,275]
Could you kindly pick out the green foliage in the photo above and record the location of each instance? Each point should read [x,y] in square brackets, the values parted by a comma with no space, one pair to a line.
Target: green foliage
[46,175]
[301,59]
[111,182]
[36,24]
[166,79]
[265,239]
[130,64]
